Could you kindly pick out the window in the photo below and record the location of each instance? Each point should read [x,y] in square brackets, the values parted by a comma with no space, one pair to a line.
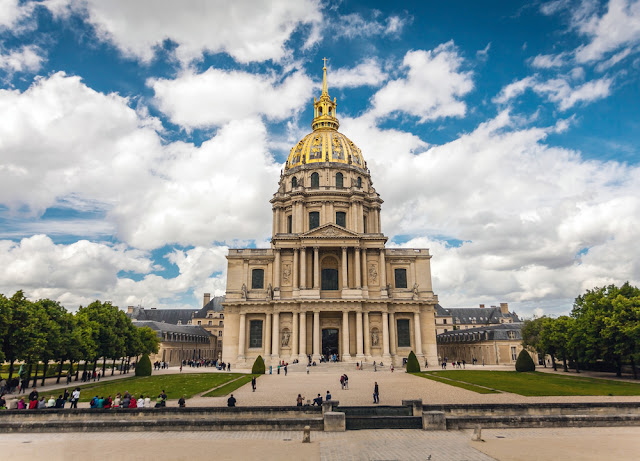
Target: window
[341,218]
[404,334]
[294,182]
[339,180]
[513,353]
[329,279]
[220,323]
[511,334]
[289,224]
[199,322]
[257,279]
[364,224]
[314,219]
[210,322]
[255,333]
[444,321]
[315,180]
[221,316]
[220,333]
[401,278]
[359,182]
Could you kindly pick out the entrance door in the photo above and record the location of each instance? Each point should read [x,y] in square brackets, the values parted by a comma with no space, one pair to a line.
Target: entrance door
[329,342]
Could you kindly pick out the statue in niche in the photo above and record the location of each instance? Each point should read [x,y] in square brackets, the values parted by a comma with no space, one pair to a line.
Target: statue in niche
[373,273]
[416,292]
[375,339]
[269,292]
[284,342]
[286,273]
[244,291]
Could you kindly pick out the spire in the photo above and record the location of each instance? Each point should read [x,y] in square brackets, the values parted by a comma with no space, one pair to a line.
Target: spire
[324,109]
[325,91]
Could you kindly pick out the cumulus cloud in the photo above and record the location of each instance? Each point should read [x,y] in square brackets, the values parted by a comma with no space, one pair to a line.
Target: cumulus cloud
[369,72]
[430,88]
[13,12]
[216,96]
[248,30]
[355,25]
[25,59]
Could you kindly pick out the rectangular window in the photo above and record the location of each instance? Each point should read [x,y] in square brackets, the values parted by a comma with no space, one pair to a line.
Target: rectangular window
[341,218]
[444,321]
[513,353]
[257,279]
[210,322]
[364,225]
[401,278]
[255,333]
[289,224]
[314,219]
[404,334]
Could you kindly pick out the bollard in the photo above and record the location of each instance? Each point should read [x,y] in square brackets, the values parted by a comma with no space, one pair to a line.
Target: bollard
[306,434]
[477,434]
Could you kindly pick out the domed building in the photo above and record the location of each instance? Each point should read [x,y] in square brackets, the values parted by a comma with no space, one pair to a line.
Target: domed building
[328,286]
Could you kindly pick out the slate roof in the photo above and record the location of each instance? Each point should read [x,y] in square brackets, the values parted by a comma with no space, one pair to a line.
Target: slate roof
[162,327]
[492,332]
[170,316]
[215,305]
[465,315]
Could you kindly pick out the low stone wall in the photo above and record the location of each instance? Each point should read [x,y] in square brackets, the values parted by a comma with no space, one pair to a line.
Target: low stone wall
[537,409]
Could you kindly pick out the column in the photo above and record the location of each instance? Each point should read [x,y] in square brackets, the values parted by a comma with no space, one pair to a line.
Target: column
[294,336]
[365,271]
[323,214]
[267,335]
[277,223]
[316,335]
[275,336]
[245,269]
[392,334]
[367,335]
[345,335]
[357,259]
[316,268]
[359,350]
[303,268]
[383,270]
[276,269]
[413,274]
[345,278]
[242,336]
[418,334]
[295,269]
[303,334]
[385,334]
[379,223]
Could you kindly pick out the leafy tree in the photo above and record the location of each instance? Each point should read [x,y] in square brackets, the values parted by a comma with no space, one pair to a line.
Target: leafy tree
[149,341]
[413,366]
[531,336]
[53,332]
[108,339]
[5,323]
[524,363]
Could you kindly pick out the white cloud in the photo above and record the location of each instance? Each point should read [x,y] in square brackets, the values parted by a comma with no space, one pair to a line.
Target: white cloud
[548,61]
[26,59]
[367,73]
[355,25]
[431,88]
[248,30]
[12,12]
[215,96]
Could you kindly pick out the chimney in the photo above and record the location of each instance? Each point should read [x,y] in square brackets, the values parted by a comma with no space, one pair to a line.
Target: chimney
[207,298]
[129,309]
[504,308]
[481,306]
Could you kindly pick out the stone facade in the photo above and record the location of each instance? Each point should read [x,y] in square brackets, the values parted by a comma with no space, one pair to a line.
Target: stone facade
[211,318]
[463,318]
[328,285]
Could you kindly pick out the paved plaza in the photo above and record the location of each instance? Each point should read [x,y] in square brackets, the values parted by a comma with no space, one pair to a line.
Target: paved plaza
[621,444]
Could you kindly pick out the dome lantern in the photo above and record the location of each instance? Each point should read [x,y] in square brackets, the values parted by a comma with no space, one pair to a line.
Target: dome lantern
[324,109]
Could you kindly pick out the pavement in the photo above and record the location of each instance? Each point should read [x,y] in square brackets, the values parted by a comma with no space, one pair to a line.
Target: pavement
[620,443]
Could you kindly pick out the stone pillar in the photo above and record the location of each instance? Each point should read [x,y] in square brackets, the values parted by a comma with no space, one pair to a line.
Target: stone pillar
[276,269]
[367,335]
[345,335]
[379,223]
[358,275]
[295,270]
[294,336]
[303,268]
[323,214]
[303,335]
[345,278]
[417,334]
[359,350]
[267,336]
[275,336]
[316,335]
[277,220]
[365,271]
[392,334]
[242,335]
[385,335]
[245,270]
[383,270]
[316,268]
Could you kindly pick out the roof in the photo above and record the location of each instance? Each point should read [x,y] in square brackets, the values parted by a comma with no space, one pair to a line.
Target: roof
[171,316]
[214,305]
[466,315]
[492,332]
[161,327]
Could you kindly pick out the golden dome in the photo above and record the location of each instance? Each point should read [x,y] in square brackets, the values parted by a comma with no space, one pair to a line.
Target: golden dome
[325,143]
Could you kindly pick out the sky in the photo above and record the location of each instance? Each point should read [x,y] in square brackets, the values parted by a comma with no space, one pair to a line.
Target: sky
[140,140]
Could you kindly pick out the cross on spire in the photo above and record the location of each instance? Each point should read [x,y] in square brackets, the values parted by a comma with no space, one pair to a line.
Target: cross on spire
[325,61]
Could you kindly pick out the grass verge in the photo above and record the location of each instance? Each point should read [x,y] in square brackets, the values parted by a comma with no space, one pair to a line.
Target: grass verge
[453,382]
[230,387]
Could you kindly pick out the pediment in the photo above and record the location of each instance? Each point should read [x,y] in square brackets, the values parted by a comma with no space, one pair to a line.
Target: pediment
[330,231]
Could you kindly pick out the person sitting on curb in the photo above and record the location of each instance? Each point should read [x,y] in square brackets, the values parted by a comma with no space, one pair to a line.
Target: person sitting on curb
[318,401]
[231,401]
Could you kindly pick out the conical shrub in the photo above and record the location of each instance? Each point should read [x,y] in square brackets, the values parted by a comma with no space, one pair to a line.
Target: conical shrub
[258,366]
[413,366]
[525,362]
[143,368]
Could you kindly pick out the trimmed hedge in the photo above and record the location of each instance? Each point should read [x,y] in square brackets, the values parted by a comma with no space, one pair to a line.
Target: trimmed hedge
[413,366]
[525,362]
[143,368]
[258,366]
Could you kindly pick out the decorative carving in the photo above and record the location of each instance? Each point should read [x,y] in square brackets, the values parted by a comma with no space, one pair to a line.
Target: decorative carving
[284,341]
[244,291]
[330,232]
[373,273]
[416,293]
[375,337]
[269,292]
[286,274]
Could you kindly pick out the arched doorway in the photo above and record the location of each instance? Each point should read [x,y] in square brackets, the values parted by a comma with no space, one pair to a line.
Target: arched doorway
[330,341]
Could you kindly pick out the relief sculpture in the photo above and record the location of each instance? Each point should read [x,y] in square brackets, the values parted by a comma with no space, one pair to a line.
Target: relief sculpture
[375,338]
[285,338]
[286,274]
[373,273]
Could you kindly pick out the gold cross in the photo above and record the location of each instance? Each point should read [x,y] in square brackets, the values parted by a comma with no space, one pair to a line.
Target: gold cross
[325,61]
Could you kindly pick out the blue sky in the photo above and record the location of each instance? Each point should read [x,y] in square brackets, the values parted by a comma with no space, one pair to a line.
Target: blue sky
[140,140]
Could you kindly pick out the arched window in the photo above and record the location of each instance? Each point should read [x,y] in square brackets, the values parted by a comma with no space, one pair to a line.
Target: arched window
[315,180]
[359,182]
[257,279]
[294,182]
[339,180]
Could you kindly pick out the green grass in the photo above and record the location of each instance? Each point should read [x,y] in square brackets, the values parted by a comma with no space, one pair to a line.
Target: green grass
[230,387]
[451,382]
[187,384]
[540,384]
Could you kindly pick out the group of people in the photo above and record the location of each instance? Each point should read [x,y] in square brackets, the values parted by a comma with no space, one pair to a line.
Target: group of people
[129,401]
[455,364]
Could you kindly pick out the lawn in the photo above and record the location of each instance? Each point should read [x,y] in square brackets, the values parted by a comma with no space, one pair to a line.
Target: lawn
[230,387]
[177,385]
[467,386]
[539,384]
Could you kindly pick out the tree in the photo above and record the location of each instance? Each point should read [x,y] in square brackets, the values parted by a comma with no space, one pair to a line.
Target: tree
[143,368]
[413,366]
[53,334]
[108,338]
[524,363]
[5,322]
[531,336]
[149,341]
[258,366]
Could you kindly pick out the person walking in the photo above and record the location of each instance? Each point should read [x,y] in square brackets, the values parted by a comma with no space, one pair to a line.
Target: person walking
[253,383]
[75,396]
[376,393]
[307,369]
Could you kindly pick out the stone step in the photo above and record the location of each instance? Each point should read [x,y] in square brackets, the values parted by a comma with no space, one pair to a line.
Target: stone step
[489,422]
[383,422]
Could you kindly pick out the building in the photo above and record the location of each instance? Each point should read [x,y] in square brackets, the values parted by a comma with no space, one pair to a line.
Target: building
[211,318]
[180,342]
[328,285]
[172,316]
[490,345]
[471,317]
